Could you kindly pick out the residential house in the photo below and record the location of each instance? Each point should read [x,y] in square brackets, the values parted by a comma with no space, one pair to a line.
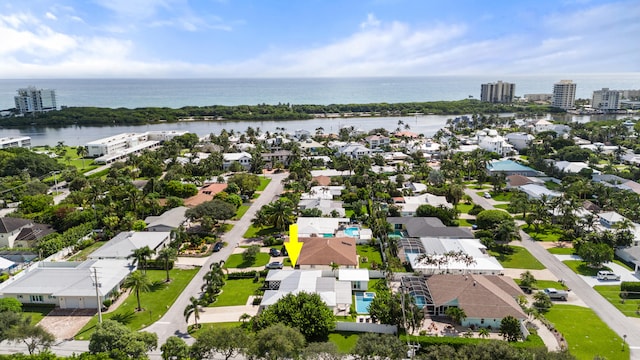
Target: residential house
[323,192]
[206,193]
[322,180]
[122,245]
[609,219]
[414,187]
[617,182]
[320,226]
[515,181]
[18,232]
[429,255]
[280,156]
[321,252]
[333,292]
[68,285]
[302,134]
[491,141]
[573,167]
[310,146]
[418,227]
[359,278]
[510,167]
[519,140]
[376,141]
[276,143]
[168,220]
[535,191]
[6,265]
[243,158]
[355,150]
[485,299]
[328,207]
[409,204]
[543,126]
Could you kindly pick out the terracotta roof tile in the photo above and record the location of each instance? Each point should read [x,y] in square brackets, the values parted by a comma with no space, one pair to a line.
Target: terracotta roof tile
[324,251]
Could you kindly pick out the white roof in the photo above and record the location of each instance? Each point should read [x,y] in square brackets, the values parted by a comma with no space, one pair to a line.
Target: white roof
[70,278]
[330,172]
[172,218]
[353,275]
[323,192]
[235,156]
[473,247]
[124,243]
[611,216]
[5,263]
[331,291]
[573,167]
[319,225]
[536,191]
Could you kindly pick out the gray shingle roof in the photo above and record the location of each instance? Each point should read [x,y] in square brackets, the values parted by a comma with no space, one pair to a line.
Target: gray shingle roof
[430,227]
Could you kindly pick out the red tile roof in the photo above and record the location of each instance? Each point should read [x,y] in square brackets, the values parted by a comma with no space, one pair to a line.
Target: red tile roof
[206,193]
[324,251]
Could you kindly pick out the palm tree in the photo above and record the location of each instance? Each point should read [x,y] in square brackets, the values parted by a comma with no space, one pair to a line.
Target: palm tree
[167,255]
[138,282]
[483,333]
[141,255]
[456,314]
[244,317]
[82,152]
[193,308]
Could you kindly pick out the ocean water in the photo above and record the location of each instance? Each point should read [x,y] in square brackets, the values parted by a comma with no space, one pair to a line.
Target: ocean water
[176,93]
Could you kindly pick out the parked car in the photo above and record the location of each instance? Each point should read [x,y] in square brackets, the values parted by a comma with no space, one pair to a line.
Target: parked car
[487,195]
[555,294]
[474,226]
[274,265]
[218,246]
[274,252]
[607,275]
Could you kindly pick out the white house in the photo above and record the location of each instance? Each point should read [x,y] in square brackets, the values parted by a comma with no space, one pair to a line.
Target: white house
[323,192]
[328,207]
[535,191]
[573,167]
[409,204]
[320,226]
[376,141]
[519,140]
[68,285]
[167,221]
[243,158]
[123,244]
[16,141]
[491,141]
[355,150]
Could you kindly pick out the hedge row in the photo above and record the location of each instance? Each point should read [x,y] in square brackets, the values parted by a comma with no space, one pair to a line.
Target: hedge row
[247,274]
[630,286]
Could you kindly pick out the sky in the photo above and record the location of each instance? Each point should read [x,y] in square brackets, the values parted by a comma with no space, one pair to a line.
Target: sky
[315,38]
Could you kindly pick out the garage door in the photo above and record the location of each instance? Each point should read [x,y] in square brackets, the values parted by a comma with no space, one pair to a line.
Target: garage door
[69,303]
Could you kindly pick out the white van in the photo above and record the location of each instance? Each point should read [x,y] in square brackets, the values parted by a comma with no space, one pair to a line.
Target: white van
[607,275]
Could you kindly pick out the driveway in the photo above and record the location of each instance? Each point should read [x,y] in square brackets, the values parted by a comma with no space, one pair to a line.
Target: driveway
[64,324]
[625,274]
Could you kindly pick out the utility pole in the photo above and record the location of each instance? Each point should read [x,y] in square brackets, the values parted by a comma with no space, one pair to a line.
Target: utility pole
[95,272]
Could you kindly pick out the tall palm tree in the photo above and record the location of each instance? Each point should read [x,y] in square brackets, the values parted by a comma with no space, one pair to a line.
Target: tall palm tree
[456,314]
[82,152]
[193,308]
[167,255]
[138,282]
[141,255]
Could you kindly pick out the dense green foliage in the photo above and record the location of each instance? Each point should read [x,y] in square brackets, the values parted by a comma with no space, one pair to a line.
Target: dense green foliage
[120,342]
[107,116]
[55,242]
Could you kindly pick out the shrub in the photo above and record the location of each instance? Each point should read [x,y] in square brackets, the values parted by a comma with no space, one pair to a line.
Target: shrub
[483,234]
[476,209]
[630,286]
[107,302]
[489,219]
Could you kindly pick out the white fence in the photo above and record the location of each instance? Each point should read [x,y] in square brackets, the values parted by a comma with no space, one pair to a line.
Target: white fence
[366,327]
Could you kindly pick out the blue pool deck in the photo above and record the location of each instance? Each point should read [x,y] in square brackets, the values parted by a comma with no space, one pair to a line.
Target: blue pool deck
[363,299]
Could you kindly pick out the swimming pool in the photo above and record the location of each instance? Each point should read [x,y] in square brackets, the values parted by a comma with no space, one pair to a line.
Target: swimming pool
[352,231]
[421,301]
[363,299]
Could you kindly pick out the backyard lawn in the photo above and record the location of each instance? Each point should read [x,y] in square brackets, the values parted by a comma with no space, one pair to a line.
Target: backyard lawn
[154,303]
[236,261]
[236,292]
[503,196]
[263,183]
[546,233]
[464,208]
[465,222]
[586,334]
[543,284]
[580,267]
[344,340]
[82,254]
[371,253]
[612,294]
[519,259]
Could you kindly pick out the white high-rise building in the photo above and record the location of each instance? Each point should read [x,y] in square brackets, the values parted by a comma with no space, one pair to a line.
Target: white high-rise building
[499,92]
[564,94]
[32,100]
[606,99]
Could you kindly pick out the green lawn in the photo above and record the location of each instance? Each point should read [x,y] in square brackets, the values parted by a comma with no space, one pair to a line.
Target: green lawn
[543,284]
[263,183]
[586,334]
[464,208]
[519,259]
[464,222]
[237,292]
[253,232]
[546,233]
[371,253]
[630,306]
[82,254]
[503,196]
[241,211]
[345,341]
[36,312]
[504,207]
[235,261]
[561,250]
[623,264]
[154,303]
[552,185]
[580,267]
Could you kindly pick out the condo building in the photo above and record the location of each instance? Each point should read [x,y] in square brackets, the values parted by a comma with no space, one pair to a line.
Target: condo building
[499,92]
[118,147]
[10,142]
[606,99]
[564,94]
[31,100]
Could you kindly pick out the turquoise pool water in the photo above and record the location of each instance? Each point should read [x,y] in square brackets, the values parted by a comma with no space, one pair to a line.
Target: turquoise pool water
[352,231]
[363,299]
[421,301]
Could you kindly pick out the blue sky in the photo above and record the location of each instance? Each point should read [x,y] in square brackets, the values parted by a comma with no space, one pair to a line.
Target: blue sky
[315,38]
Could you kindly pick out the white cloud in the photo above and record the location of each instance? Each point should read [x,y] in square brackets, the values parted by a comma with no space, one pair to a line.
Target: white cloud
[50,16]
[371,21]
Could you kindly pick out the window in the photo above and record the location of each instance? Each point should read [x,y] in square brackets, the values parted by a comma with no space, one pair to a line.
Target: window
[36,298]
[481,321]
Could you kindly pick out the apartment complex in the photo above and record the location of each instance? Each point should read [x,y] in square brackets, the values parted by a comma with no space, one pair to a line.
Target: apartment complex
[564,94]
[118,147]
[499,92]
[606,99]
[32,100]
[9,142]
